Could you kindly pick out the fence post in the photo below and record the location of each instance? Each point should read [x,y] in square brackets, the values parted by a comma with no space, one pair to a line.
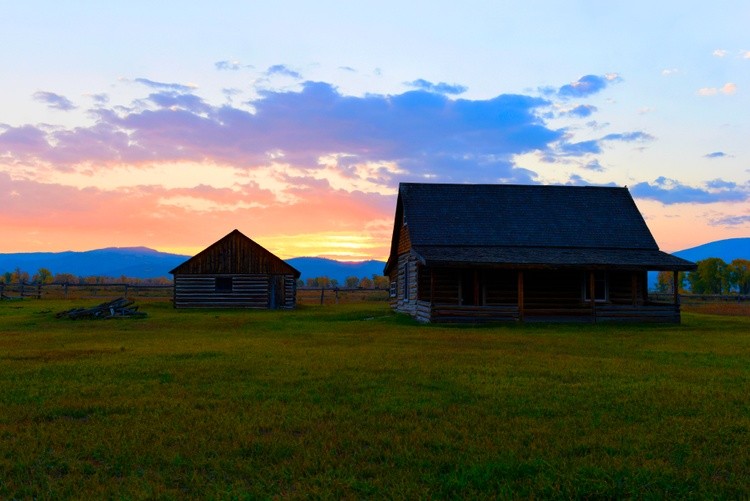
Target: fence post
[322,292]
[39,291]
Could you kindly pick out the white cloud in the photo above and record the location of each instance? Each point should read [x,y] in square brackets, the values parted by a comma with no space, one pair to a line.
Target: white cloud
[719,53]
[727,89]
[669,71]
[708,91]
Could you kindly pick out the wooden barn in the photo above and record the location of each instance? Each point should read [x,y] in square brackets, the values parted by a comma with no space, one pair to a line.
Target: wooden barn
[235,272]
[510,252]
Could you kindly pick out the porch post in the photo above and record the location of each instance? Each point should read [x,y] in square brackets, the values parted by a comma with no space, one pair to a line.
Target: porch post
[592,291]
[675,288]
[476,288]
[432,284]
[520,295]
[634,287]
[459,278]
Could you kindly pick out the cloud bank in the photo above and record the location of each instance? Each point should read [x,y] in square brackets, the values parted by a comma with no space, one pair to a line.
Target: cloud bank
[291,159]
[671,191]
[426,133]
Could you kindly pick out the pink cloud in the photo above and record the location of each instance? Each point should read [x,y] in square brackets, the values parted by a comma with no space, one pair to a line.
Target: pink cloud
[56,218]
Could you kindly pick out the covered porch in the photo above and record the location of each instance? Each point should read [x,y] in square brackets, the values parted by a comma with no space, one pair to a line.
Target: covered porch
[487,294]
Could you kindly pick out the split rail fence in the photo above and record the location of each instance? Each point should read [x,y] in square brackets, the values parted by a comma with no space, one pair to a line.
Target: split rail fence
[83,291]
[305,295]
[700,298]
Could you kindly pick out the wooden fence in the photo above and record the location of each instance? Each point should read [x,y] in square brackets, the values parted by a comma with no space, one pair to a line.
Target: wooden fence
[83,291]
[324,296]
[699,298]
[305,295]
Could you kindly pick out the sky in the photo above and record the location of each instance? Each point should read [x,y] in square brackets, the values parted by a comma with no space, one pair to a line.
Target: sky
[169,124]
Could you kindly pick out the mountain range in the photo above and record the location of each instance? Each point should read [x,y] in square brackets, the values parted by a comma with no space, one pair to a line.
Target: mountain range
[312,267]
[142,262]
[134,262]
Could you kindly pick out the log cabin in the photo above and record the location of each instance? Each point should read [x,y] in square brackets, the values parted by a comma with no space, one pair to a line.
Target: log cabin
[235,272]
[473,253]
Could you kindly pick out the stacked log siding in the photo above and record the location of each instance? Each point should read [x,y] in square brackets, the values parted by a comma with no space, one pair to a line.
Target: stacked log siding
[235,272]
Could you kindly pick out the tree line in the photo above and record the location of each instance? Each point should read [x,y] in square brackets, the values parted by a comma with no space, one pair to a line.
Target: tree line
[713,276]
[352,282]
[45,276]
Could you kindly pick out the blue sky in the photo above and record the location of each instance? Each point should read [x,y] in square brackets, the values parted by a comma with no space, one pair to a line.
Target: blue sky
[295,121]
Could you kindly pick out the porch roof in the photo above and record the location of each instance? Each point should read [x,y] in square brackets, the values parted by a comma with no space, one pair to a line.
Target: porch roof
[549,257]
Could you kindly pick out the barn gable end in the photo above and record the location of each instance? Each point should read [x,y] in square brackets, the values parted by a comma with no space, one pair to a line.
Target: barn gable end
[235,272]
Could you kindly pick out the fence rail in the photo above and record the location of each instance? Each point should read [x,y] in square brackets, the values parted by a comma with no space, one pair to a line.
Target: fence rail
[78,291]
[305,295]
[335,295]
[700,298]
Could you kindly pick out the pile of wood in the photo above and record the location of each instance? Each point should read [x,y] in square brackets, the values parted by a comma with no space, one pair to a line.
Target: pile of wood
[118,308]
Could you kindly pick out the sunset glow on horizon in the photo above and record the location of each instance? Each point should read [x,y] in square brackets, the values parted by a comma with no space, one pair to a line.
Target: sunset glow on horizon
[300,141]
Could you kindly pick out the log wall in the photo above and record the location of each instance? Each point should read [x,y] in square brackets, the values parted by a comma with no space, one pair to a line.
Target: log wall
[248,291]
[652,313]
[621,287]
[402,302]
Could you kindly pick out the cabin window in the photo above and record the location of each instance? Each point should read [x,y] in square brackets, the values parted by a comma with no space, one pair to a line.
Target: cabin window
[393,289]
[223,284]
[601,293]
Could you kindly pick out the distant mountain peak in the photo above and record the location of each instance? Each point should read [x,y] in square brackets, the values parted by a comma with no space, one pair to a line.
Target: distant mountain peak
[312,267]
[727,250]
[140,250]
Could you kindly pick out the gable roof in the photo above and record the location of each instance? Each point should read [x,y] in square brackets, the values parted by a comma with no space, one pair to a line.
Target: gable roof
[235,254]
[527,225]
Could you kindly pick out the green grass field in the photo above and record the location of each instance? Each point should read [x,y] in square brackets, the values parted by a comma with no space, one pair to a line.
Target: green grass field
[352,401]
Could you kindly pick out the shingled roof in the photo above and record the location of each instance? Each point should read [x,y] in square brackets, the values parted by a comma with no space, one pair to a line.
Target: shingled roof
[520,225]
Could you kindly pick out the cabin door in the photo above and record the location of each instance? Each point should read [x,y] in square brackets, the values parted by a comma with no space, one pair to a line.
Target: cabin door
[471,288]
[276,292]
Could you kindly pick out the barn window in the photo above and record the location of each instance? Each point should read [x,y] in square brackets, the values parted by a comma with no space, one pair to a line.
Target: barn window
[223,284]
[600,287]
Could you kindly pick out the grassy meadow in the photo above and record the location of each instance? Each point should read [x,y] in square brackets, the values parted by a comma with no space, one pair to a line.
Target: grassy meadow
[352,401]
